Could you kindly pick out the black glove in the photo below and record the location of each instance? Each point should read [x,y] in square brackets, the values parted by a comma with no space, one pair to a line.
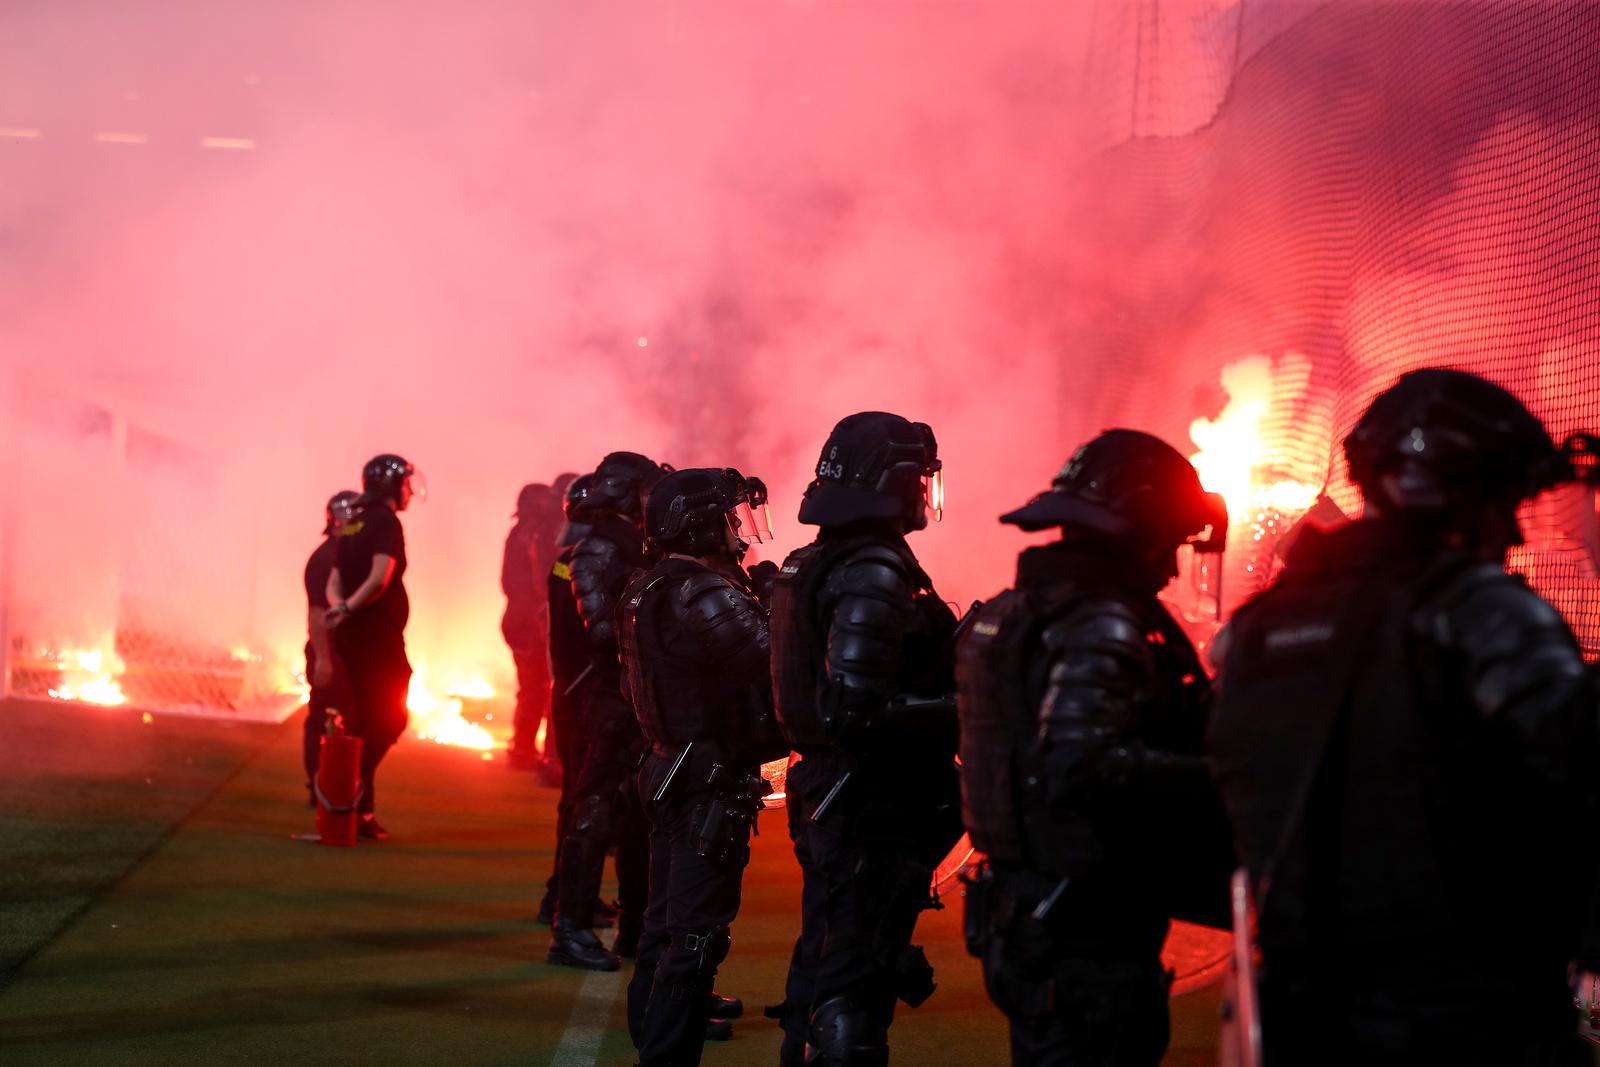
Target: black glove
[763,577]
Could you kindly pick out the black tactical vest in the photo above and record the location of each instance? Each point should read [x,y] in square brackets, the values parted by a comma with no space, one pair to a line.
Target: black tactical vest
[1323,676]
[800,636]
[678,700]
[1001,678]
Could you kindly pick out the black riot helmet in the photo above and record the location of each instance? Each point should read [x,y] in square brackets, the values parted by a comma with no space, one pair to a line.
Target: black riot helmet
[1443,442]
[385,477]
[340,507]
[875,465]
[575,505]
[1131,489]
[704,511]
[620,483]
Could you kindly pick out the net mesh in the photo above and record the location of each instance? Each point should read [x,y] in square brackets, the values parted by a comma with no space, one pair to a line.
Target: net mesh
[120,587]
[1349,190]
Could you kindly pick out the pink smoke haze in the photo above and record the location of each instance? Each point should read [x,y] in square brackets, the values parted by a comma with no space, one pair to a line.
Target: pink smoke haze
[245,246]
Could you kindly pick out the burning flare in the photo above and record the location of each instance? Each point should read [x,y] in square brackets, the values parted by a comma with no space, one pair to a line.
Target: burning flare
[1234,455]
[439,719]
[89,675]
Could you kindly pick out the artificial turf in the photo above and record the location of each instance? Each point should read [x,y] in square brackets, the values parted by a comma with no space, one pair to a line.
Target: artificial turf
[230,942]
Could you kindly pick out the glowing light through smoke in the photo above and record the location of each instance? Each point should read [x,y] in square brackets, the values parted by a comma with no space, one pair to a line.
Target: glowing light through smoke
[89,675]
[1234,451]
[439,719]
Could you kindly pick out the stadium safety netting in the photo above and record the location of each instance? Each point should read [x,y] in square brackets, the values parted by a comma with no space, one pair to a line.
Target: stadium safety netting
[1303,201]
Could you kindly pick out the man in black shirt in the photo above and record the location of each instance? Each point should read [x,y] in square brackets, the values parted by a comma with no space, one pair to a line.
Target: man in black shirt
[368,615]
[323,672]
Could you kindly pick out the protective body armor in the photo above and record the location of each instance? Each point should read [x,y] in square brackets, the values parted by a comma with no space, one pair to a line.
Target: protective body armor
[1035,759]
[696,652]
[1444,711]
[811,582]
[601,565]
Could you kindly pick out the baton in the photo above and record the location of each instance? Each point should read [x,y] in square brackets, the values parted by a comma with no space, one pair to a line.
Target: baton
[676,764]
[822,809]
[578,680]
[1048,903]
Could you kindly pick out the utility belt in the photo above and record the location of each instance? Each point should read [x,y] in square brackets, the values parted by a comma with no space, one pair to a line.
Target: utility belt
[1017,908]
[724,817]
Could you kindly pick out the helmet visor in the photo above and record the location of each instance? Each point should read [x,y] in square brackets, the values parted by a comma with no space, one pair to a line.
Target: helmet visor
[752,523]
[933,494]
[419,485]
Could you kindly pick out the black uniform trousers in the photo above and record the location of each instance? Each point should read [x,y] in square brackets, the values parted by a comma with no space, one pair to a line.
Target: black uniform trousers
[1070,1006]
[322,698]
[605,811]
[378,677]
[566,722]
[693,900]
[866,867]
[533,698]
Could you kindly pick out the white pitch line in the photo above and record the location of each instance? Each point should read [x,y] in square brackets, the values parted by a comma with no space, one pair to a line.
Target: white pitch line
[21,133]
[591,1011]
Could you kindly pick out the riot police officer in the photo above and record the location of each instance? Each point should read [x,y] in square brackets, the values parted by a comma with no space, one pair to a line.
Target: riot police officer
[569,669]
[862,663]
[602,562]
[696,654]
[1082,707]
[368,612]
[1405,742]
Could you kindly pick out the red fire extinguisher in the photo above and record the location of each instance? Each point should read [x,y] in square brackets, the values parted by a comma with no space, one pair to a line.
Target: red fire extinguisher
[338,784]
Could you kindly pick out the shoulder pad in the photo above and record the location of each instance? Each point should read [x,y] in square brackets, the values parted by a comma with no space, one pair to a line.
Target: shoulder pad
[1101,623]
[696,585]
[591,557]
[874,571]
[1487,612]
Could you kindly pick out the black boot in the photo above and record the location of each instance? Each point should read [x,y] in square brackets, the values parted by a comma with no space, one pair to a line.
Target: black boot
[719,1030]
[572,946]
[627,943]
[722,1007]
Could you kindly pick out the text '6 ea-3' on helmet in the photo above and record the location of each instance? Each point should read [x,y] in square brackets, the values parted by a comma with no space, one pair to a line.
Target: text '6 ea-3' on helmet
[1131,487]
[384,474]
[1439,440]
[620,482]
[876,465]
[693,511]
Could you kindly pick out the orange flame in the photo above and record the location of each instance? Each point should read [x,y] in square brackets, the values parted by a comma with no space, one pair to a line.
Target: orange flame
[440,720]
[1234,451]
[89,675]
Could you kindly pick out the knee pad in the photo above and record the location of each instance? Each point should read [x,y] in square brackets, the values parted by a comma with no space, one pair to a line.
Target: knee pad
[845,1033]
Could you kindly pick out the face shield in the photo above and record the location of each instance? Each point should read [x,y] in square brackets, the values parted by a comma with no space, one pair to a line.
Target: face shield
[1209,546]
[749,520]
[419,485]
[933,493]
